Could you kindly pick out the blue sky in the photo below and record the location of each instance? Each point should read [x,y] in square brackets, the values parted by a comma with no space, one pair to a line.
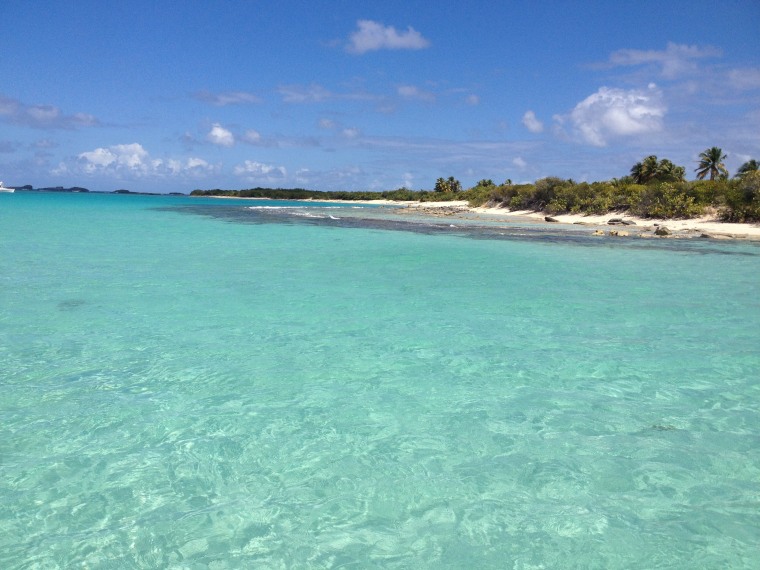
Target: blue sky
[356,95]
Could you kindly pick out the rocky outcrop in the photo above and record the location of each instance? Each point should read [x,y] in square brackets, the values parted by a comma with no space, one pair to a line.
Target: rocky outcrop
[620,222]
[437,211]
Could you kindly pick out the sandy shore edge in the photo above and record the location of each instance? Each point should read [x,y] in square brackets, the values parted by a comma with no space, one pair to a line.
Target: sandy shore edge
[705,227]
[613,224]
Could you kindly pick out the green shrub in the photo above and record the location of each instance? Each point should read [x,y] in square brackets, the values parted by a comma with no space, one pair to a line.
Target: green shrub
[742,200]
[479,194]
[665,200]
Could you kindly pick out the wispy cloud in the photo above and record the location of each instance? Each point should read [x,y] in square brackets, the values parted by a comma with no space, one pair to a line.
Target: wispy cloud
[315,93]
[45,144]
[304,94]
[745,79]
[351,133]
[531,123]
[612,113]
[675,60]
[225,98]
[252,136]
[42,116]
[254,171]
[374,36]
[346,177]
[413,92]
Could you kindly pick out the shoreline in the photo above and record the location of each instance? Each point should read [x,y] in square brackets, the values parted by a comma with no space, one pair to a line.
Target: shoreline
[604,225]
[612,224]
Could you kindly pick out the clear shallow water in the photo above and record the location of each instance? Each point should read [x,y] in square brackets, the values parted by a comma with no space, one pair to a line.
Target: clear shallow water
[195,387]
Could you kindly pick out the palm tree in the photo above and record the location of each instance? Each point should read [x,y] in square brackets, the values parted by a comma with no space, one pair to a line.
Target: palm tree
[454,184]
[450,185]
[711,162]
[750,166]
[652,170]
[644,171]
[637,173]
[669,172]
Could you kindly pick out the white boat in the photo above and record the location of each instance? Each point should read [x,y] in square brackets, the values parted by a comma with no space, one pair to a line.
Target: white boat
[4,189]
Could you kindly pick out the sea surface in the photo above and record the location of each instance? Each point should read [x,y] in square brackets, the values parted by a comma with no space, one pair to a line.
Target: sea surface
[198,383]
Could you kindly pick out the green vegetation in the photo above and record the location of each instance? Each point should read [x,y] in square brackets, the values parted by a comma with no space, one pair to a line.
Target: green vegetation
[711,162]
[450,186]
[402,194]
[736,200]
[749,166]
[652,170]
[655,189]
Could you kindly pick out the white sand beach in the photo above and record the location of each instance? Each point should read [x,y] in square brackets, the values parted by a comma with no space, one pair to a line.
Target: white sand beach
[706,226]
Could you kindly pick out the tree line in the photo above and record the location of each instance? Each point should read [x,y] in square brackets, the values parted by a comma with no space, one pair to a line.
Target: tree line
[654,188]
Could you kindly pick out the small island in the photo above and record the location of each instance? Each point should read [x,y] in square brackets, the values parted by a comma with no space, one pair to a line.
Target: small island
[654,191]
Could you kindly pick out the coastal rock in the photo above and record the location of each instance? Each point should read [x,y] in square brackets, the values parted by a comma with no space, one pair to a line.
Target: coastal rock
[619,233]
[719,236]
[614,221]
[550,219]
[438,211]
[598,233]
[629,223]
[662,231]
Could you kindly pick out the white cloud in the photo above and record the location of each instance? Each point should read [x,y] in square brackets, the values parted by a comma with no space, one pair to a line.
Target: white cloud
[472,100]
[532,123]
[218,135]
[228,98]
[327,124]
[350,133]
[99,158]
[373,36]
[675,60]
[42,116]
[519,162]
[121,156]
[135,160]
[412,92]
[611,113]
[253,170]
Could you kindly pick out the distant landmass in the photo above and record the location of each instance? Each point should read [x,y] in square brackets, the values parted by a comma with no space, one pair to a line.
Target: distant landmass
[30,188]
[75,189]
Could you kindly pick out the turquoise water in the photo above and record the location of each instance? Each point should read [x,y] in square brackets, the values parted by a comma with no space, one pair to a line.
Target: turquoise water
[190,383]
